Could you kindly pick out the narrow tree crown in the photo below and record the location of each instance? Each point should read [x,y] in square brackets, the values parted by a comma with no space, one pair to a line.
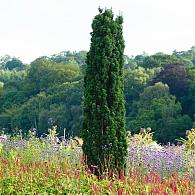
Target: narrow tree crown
[103,126]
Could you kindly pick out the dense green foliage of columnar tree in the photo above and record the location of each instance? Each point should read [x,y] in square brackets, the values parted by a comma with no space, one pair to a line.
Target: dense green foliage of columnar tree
[103,130]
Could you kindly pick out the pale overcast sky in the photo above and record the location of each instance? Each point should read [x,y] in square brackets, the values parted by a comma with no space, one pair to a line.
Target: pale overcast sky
[33,28]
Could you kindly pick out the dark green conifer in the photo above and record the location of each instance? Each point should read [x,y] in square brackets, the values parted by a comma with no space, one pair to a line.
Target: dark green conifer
[103,130]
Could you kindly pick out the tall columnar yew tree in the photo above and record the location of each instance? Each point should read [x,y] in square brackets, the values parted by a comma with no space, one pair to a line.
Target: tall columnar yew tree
[103,131]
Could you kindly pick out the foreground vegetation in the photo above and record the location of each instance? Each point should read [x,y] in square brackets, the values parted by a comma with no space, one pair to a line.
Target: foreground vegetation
[47,165]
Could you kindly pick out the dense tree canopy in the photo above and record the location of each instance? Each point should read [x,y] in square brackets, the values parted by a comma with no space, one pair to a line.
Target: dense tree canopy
[51,88]
[159,110]
[175,76]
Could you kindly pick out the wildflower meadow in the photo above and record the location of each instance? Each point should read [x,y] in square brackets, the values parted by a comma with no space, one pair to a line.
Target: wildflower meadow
[49,165]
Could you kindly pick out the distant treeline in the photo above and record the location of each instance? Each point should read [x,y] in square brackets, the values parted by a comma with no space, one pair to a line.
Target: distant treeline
[159,91]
